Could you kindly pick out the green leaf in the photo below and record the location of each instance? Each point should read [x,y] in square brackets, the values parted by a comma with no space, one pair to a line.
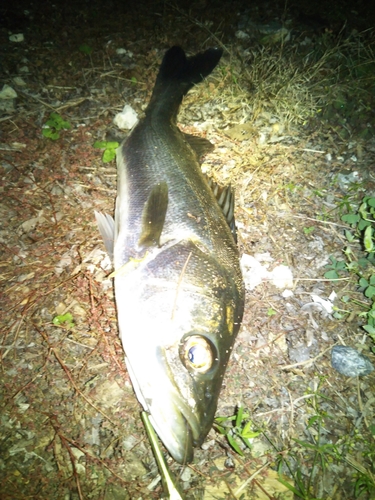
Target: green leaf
[225,419]
[109,155]
[51,123]
[306,444]
[308,230]
[369,329]
[371,202]
[349,236]
[222,430]
[86,49]
[63,318]
[331,275]
[64,124]
[363,282]
[50,133]
[239,417]
[234,445]
[112,145]
[100,144]
[312,420]
[289,486]
[350,218]
[363,262]
[368,239]
[338,315]
[247,433]
[110,149]
[362,224]
[370,291]
[57,122]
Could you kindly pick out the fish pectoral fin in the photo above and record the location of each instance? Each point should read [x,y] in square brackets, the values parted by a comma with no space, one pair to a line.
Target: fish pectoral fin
[153,216]
[225,198]
[106,226]
[199,145]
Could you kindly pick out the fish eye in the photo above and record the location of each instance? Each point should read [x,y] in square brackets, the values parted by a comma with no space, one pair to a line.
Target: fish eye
[197,354]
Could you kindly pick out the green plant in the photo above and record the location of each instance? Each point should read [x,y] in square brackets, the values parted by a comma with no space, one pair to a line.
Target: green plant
[308,230]
[53,125]
[334,268]
[109,149]
[85,49]
[309,460]
[359,263]
[271,312]
[61,319]
[242,430]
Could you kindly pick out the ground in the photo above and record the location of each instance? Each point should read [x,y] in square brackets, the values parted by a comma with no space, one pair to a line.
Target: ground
[291,114]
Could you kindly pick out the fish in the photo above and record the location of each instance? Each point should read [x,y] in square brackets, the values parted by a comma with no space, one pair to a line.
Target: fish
[178,286]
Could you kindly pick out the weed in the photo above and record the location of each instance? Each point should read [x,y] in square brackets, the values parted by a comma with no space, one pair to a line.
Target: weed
[53,125]
[63,319]
[308,230]
[241,432]
[308,461]
[109,149]
[271,312]
[334,268]
[362,222]
[85,49]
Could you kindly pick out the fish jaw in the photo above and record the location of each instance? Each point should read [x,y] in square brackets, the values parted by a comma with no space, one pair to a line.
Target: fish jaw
[173,420]
[159,315]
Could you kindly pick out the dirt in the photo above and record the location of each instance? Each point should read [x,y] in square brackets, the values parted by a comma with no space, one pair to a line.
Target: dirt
[70,423]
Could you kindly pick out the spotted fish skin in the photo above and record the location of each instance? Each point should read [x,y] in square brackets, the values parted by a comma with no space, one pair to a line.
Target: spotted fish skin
[178,285]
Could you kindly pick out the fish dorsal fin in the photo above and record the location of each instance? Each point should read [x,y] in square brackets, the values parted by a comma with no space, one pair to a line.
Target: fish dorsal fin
[106,226]
[153,215]
[199,145]
[225,198]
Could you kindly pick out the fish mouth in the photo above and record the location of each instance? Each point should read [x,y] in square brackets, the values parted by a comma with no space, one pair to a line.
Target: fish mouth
[178,432]
[176,421]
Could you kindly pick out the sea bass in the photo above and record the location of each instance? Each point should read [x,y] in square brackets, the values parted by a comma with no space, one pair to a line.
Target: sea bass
[178,285]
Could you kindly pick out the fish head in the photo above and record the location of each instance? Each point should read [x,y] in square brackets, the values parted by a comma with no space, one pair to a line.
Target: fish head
[177,336]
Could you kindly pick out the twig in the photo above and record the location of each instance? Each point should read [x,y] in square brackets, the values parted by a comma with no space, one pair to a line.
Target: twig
[64,441]
[69,375]
[248,480]
[307,361]
[76,445]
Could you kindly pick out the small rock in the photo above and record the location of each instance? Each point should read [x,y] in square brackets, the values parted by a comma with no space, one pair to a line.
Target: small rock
[7,99]
[18,37]
[7,92]
[350,362]
[19,81]
[127,119]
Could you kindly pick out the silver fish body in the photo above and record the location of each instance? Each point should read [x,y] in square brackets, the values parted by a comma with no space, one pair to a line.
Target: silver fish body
[178,284]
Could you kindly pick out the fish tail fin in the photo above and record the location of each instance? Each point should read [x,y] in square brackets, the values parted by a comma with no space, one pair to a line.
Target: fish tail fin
[178,74]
